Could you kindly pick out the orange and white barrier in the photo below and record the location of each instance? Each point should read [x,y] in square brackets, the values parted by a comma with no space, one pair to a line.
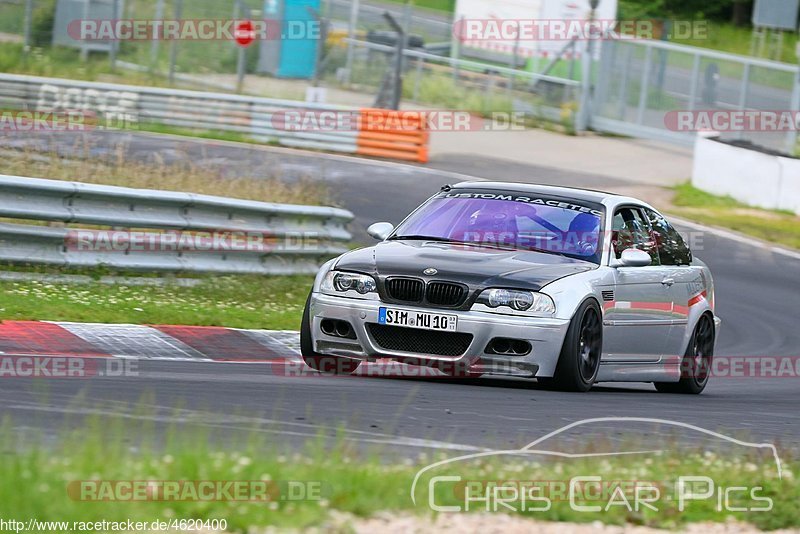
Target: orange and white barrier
[386,133]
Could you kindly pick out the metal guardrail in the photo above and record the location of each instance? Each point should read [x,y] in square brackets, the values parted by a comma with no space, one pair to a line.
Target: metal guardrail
[290,123]
[126,105]
[271,238]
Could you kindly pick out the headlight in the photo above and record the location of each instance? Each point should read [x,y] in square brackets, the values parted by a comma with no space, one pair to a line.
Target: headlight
[517,299]
[341,282]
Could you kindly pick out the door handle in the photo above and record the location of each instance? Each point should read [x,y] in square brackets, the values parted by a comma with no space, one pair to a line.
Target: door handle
[668,282]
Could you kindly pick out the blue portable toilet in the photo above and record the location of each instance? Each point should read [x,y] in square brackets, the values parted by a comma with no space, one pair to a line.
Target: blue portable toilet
[294,53]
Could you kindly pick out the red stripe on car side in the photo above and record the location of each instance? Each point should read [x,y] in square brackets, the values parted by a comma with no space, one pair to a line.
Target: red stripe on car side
[697,299]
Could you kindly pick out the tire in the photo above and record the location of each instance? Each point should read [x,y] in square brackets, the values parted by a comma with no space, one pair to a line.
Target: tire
[332,365]
[696,362]
[579,361]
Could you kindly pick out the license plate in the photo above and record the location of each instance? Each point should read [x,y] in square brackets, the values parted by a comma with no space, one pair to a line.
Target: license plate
[416,319]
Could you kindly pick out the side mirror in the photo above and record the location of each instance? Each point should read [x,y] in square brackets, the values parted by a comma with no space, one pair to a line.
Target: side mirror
[633,257]
[380,230]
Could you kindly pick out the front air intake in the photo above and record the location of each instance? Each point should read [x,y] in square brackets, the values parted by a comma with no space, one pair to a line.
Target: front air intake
[419,341]
[405,289]
[445,294]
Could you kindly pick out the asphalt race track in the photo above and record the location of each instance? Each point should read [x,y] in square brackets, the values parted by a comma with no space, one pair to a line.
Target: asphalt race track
[756,292]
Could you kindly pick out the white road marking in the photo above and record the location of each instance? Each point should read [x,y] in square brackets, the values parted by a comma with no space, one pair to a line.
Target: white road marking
[133,341]
[224,421]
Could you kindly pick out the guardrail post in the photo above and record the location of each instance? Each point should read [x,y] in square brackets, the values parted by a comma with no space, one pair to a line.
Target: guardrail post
[26,40]
[585,110]
[622,106]
[695,76]
[84,44]
[514,60]
[156,42]
[351,37]
[239,12]
[173,49]
[456,53]
[644,89]
[113,43]
[791,136]
[743,94]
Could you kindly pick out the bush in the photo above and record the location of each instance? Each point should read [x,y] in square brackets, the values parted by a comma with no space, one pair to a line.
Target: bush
[698,9]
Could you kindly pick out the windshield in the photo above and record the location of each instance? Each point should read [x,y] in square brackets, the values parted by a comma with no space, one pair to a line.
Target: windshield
[509,221]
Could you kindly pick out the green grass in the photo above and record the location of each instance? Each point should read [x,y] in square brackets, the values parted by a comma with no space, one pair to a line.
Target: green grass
[10,16]
[197,57]
[442,90]
[774,226]
[65,62]
[218,135]
[271,302]
[235,301]
[263,184]
[40,482]
[736,39]
[687,195]
[62,62]
[445,6]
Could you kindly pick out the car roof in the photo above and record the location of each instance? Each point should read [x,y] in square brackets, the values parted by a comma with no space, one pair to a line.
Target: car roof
[586,195]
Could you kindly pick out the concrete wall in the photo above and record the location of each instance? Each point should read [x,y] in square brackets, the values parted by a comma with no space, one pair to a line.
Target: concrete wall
[751,177]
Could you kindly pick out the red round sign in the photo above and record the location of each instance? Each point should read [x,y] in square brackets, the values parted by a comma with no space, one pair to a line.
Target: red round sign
[244,34]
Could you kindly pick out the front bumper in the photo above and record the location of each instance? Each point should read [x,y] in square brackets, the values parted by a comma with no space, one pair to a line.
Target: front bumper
[546,336]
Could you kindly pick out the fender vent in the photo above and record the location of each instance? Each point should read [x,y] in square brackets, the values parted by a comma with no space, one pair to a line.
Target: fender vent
[608,296]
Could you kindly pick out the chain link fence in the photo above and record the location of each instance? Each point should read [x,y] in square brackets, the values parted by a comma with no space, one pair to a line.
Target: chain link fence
[637,83]
[198,57]
[640,83]
[431,27]
[32,22]
[432,80]
[358,65]
[27,21]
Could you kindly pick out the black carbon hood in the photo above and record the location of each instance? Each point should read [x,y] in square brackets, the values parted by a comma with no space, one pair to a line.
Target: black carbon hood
[478,267]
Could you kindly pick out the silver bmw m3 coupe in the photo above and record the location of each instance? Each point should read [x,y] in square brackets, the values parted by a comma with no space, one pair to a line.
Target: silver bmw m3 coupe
[568,286]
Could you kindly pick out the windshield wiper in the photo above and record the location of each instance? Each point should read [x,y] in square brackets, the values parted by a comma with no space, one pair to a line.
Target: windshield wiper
[416,237]
[487,244]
